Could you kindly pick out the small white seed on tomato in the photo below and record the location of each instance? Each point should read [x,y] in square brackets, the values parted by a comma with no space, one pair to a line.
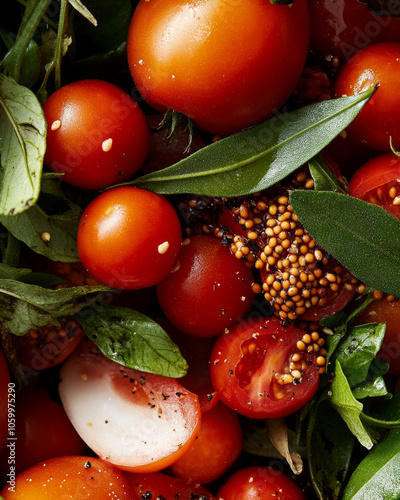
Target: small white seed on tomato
[56,125]
[163,247]
[106,145]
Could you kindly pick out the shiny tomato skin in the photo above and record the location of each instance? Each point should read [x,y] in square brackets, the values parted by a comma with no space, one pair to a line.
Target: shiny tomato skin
[247,364]
[160,485]
[36,411]
[217,447]
[239,74]
[97,134]
[67,477]
[343,27]
[260,483]
[129,238]
[377,181]
[5,381]
[378,121]
[210,290]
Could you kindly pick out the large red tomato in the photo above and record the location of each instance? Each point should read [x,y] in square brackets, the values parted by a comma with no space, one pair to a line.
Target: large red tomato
[97,134]
[225,65]
[379,120]
[129,238]
[261,371]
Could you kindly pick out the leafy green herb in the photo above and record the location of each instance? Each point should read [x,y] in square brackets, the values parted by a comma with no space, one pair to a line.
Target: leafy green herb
[378,476]
[330,446]
[324,178]
[259,157]
[22,147]
[348,407]
[62,228]
[362,237]
[24,307]
[133,340]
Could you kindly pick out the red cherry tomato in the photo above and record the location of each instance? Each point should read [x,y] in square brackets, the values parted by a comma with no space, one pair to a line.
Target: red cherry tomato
[196,351]
[129,238]
[260,483]
[378,182]
[218,446]
[158,485]
[343,27]
[138,421]
[97,134]
[378,121]
[210,290]
[250,369]
[69,477]
[6,395]
[43,431]
[226,67]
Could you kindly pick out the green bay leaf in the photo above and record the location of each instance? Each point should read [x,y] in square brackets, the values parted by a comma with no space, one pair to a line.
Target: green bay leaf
[362,237]
[261,156]
[133,340]
[22,147]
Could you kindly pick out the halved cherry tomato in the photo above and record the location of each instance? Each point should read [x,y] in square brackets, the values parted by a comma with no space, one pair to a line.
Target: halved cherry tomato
[378,182]
[129,238]
[225,66]
[35,412]
[218,446]
[159,485]
[378,122]
[259,371]
[264,483]
[97,134]
[69,477]
[209,291]
[137,421]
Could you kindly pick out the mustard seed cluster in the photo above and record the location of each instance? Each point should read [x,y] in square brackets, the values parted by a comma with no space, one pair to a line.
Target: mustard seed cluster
[263,230]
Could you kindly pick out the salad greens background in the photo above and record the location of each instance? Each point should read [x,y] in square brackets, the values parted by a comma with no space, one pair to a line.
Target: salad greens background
[342,434]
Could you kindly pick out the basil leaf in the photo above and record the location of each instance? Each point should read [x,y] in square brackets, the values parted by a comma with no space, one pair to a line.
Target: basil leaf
[259,157]
[328,456]
[378,475]
[29,226]
[348,407]
[362,237]
[358,349]
[22,146]
[133,340]
[370,389]
[24,307]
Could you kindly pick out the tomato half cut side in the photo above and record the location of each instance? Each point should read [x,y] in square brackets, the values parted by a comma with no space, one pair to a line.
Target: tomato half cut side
[378,182]
[259,370]
[137,421]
